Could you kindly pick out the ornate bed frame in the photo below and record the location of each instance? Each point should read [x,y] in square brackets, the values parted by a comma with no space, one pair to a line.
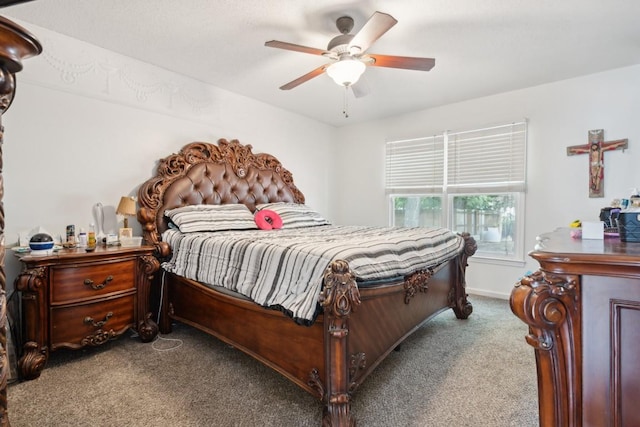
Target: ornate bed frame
[358,327]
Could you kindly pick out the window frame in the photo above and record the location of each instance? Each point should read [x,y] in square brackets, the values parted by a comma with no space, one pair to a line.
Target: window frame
[448,192]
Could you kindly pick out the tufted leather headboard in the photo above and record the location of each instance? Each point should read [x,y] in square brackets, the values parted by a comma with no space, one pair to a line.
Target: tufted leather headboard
[204,173]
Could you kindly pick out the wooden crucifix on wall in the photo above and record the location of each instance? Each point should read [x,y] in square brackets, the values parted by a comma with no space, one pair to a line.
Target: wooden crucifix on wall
[596,148]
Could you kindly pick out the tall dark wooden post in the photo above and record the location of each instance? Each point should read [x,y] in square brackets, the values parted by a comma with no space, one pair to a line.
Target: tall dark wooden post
[16,44]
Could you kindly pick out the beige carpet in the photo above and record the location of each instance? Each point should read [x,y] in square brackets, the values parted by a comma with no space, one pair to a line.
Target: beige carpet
[478,372]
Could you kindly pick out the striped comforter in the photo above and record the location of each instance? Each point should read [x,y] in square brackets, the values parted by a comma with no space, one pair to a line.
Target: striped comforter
[284,268]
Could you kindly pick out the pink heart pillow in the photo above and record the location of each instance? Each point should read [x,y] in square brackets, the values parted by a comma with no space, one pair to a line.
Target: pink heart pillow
[267,219]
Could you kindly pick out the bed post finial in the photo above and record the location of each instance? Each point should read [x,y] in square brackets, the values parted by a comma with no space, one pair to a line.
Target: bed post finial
[340,295]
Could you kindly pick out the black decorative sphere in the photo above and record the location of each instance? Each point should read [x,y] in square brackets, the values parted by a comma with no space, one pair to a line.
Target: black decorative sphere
[41,241]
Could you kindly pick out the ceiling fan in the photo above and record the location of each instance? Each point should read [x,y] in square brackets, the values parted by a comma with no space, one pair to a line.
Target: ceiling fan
[348,52]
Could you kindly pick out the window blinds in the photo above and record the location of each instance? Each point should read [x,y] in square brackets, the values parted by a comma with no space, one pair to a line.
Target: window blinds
[415,166]
[477,161]
[487,160]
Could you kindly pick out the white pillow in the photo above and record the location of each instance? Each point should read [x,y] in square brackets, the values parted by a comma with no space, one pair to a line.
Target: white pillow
[212,218]
[295,215]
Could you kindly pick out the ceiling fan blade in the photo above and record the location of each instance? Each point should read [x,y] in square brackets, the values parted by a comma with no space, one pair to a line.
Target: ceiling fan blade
[360,88]
[296,47]
[406,62]
[373,29]
[306,77]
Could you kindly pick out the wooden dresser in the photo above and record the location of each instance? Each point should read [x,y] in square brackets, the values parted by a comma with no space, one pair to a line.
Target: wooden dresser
[583,312]
[73,298]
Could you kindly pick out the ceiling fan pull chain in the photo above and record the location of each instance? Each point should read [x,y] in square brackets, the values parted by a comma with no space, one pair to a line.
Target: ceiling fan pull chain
[345,109]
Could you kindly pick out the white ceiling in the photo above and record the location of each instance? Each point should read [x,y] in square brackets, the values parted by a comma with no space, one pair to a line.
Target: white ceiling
[482,47]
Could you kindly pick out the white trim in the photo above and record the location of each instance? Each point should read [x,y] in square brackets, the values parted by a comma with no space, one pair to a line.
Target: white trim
[484,293]
[486,259]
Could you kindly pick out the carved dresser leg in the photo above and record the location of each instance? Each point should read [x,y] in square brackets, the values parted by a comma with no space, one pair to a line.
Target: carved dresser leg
[548,304]
[34,359]
[147,327]
[35,353]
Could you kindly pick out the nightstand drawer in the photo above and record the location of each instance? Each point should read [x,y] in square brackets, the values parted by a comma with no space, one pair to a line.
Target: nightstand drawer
[72,283]
[91,324]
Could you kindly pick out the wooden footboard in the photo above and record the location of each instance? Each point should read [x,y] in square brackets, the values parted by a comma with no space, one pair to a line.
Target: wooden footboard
[356,331]
[363,326]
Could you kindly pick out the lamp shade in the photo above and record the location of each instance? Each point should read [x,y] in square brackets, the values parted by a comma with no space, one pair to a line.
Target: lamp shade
[127,206]
[346,71]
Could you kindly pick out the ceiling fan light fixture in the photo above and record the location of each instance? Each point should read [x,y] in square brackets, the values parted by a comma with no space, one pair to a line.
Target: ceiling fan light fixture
[346,72]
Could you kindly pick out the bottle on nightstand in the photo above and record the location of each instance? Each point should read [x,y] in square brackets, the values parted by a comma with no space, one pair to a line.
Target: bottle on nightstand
[82,238]
[91,236]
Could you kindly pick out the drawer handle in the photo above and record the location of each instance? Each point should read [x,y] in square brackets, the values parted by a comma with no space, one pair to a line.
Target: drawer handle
[99,286]
[101,323]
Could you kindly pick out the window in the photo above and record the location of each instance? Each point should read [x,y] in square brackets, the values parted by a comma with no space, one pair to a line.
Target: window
[471,181]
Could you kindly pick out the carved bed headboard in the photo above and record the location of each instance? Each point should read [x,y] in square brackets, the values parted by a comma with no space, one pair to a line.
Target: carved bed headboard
[205,173]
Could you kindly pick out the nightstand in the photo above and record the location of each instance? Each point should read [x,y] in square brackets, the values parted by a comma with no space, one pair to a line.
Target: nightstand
[73,299]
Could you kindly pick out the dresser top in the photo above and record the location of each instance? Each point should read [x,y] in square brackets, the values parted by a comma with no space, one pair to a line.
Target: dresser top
[82,254]
[562,241]
[559,247]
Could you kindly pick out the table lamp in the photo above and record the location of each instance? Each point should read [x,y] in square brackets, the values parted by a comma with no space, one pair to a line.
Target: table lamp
[126,208]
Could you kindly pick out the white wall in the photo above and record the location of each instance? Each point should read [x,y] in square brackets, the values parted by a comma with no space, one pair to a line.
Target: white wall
[88,126]
[560,114]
